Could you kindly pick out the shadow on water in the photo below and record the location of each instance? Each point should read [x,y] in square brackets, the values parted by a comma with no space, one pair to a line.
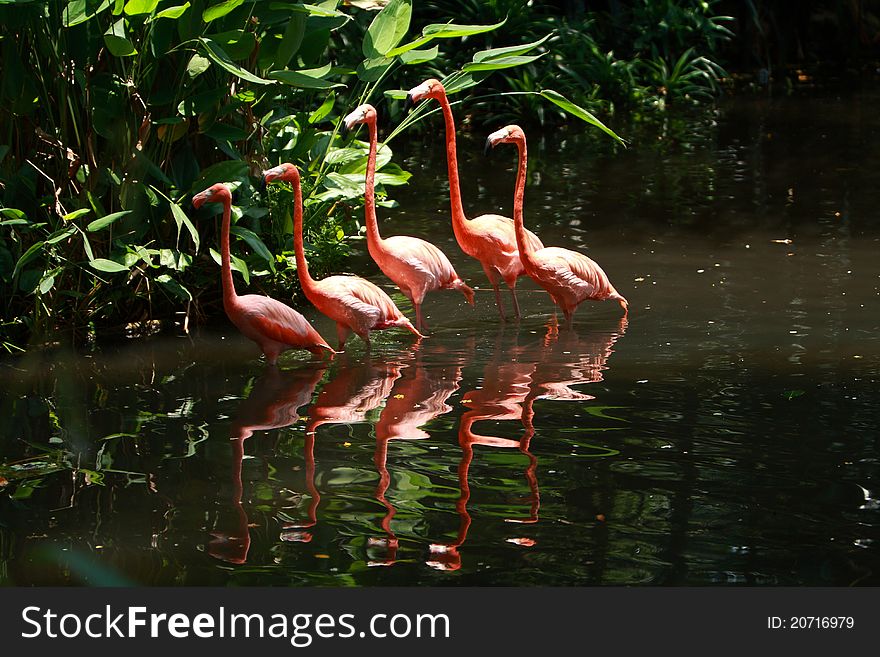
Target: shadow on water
[725,434]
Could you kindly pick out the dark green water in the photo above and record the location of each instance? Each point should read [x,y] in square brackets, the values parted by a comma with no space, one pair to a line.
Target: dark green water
[727,434]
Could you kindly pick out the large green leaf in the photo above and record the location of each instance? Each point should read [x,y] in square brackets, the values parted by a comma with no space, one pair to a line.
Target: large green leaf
[173,12]
[419,56]
[494,53]
[500,62]
[182,220]
[443,31]
[575,110]
[79,11]
[109,266]
[290,40]
[174,287]
[255,243]
[236,264]
[312,78]
[325,108]
[105,221]
[27,256]
[137,7]
[220,10]
[219,56]
[387,29]
[117,42]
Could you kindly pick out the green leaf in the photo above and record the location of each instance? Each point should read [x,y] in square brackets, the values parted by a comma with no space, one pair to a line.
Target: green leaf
[220,10]
[174,287]
[291,40]
[137,7]
[219,56]
[105,221]
[109,266]
[236,263]
[182,220]
[27,256]
[575,110]
[46,283]
[461,80]
[312,78]
[197,65]
[443,31]
[76,214]
[494,53]
[225,172]
[59,235]
[325,108]
[117,43]
[371,70]
[255,243]
[419,56]
[14,214]
[79,11]
[387,29]
[172,12]
[501,62]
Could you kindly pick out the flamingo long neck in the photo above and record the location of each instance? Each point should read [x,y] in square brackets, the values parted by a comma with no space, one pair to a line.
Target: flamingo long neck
[229,295]
[458,218]
[302,267]
[522,241]
[374,240]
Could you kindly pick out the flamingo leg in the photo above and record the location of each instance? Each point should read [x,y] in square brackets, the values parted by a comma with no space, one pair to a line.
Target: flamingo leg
[342,333]
[515,302]
[493,279]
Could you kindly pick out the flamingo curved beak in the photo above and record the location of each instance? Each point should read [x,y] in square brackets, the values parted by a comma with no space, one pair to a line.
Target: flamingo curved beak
[271,175]
[414,95]
[488,146]
[200,198]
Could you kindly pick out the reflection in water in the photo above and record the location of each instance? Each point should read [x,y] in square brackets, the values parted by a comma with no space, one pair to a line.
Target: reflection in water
[418,397]
[273,403]
[354,390]
[513,379]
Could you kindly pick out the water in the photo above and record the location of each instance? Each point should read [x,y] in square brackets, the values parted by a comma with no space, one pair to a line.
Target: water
[726,434]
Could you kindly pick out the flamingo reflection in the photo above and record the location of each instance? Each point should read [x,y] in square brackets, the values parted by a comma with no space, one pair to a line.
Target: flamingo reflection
[273,403]
[418,397]
[546,370]
[352,392]
[506,380]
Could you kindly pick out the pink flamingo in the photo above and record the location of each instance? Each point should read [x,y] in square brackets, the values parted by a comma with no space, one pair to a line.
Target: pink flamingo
[416,266]
[274,326]
[490,238]
[568,276]
[352,302]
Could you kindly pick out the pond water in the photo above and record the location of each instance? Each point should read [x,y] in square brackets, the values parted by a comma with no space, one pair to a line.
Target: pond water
[726,433]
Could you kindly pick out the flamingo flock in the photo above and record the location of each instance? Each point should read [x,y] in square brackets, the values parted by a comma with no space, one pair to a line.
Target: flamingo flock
[504,247]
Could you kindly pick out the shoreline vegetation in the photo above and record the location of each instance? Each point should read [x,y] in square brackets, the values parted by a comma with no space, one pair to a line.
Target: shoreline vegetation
[115,111]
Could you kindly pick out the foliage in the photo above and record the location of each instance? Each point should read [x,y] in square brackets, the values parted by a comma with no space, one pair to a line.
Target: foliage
[642,56]
[115,112]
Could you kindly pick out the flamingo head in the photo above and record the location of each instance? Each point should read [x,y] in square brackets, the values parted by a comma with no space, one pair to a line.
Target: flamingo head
[285,171]
[363,114]
[218,193]
[428,89]
[510,134]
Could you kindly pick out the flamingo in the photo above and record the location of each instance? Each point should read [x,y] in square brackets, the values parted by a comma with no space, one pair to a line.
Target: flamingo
[416,266]
[568,276]
[274,326]
[490,238]
[352,302]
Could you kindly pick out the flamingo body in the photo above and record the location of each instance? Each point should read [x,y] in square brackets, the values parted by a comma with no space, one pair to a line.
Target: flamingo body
[416,266]
[489,238]
[355,304]
[568,276]
[274,326]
